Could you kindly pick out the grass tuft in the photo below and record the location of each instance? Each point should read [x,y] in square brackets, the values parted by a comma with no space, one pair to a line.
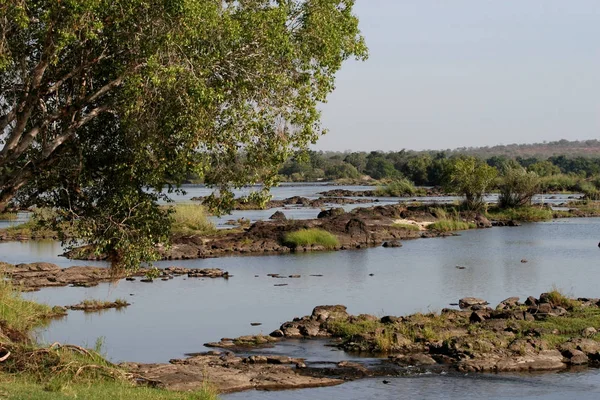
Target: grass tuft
[448,225]
[311,237]
[409,227]
[191,219]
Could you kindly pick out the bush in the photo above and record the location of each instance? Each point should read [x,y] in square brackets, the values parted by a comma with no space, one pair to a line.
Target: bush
[310,237]
[471,178]
[517,188]
[191,218]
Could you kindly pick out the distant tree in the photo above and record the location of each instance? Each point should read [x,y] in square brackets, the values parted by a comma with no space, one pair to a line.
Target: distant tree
[341,170]
[472,178]
[358,160]
[378,167]
[517,187]
[544,168]
[417,169]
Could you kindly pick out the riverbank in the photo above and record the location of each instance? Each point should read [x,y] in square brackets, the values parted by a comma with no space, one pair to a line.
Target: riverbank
[29,370]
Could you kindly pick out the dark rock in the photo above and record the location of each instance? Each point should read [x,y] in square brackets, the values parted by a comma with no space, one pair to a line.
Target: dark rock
[278,216]
[277,333]
[531,301]
[479,316]
[468,302]
[332,212]
[393,243]
[482,222]
[576,357]
[389,319]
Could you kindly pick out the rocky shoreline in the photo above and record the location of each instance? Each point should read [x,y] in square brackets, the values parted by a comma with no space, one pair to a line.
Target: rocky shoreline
[32,277]
[549,333]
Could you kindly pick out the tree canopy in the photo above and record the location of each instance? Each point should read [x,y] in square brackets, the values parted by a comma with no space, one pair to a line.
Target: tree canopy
[104,102]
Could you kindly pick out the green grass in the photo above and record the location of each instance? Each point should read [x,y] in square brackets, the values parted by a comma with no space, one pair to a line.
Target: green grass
[20,387]
[191,219]
[557,330]
[449,225]
[526,214]
[20,314]
[311,237]
[410,227]
[345,329]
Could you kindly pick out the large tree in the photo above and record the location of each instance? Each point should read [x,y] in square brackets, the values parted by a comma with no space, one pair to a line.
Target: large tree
[104,102]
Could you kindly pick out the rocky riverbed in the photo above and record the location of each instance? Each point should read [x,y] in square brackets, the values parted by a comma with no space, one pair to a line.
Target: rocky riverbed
[548,333]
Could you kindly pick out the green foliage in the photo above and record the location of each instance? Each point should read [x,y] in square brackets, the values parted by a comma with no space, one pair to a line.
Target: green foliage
[473,179]
[560,183]
[517,187]
[449,225]
[120,101]
[191,219]
[311,237]
[152,273]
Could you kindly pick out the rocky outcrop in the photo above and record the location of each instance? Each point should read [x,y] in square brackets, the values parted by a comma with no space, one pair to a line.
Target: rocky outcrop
[37,275]
[278,216]
[229,373]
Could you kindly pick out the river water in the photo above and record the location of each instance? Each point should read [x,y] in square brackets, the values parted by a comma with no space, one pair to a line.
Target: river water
[172,318]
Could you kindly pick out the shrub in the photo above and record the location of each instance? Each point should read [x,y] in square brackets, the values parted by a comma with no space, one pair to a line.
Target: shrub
[517,188]
[398,188]
[310,237]
[472,178]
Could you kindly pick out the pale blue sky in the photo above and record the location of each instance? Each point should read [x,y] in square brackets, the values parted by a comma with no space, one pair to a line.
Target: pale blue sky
[451,73]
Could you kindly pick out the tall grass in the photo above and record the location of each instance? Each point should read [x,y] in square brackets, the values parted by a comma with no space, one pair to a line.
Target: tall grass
[311,237]
[449,225]
[191,219]
[20,314]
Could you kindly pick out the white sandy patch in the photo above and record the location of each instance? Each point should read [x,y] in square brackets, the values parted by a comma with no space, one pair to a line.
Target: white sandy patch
[422,225]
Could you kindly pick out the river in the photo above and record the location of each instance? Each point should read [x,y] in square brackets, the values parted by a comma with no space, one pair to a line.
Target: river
[170,319]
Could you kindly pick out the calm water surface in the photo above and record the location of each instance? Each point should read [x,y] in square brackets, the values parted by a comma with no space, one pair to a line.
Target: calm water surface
[182,314]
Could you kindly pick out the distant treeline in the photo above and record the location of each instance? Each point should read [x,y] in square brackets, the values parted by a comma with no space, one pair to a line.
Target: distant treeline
[429,168]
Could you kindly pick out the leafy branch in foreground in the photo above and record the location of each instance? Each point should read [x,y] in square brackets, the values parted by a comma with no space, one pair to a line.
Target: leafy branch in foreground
[105,103]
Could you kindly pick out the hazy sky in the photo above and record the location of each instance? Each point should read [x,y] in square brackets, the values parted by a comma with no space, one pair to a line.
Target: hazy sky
[453,73]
